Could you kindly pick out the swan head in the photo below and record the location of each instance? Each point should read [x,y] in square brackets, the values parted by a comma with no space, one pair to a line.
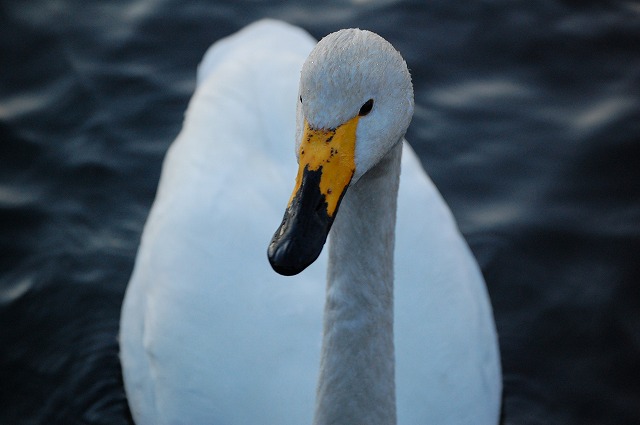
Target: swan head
[355,104]
[346,70]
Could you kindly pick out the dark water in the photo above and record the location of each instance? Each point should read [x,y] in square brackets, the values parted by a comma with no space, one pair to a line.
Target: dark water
[528,120]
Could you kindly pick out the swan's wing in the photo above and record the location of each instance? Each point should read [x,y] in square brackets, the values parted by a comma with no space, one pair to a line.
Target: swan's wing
[209,333]
[446,346]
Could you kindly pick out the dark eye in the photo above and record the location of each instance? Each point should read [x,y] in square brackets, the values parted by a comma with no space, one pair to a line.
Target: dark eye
[300,99]
[366,108]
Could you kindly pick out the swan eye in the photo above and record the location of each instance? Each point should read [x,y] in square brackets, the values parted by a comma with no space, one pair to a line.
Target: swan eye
[366,108]
[300,99]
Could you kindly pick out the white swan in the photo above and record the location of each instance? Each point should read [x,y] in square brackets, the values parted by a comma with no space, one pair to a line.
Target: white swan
[211,335]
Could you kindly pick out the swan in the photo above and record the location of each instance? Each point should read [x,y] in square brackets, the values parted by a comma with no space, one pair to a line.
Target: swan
[210,334]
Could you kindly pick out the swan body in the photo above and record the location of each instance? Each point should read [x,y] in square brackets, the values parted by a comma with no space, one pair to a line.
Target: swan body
[211,335]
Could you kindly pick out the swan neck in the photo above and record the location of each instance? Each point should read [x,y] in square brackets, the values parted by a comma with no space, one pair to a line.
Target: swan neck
[357,371]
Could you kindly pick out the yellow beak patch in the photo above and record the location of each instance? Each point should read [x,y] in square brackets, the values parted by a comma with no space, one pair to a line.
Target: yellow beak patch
[334,151]
[326,166]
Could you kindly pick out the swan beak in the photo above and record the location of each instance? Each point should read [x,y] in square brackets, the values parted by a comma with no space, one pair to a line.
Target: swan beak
[326,166]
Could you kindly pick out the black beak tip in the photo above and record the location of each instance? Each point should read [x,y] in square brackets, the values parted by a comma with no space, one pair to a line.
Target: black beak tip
[281,259]
[300,237]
